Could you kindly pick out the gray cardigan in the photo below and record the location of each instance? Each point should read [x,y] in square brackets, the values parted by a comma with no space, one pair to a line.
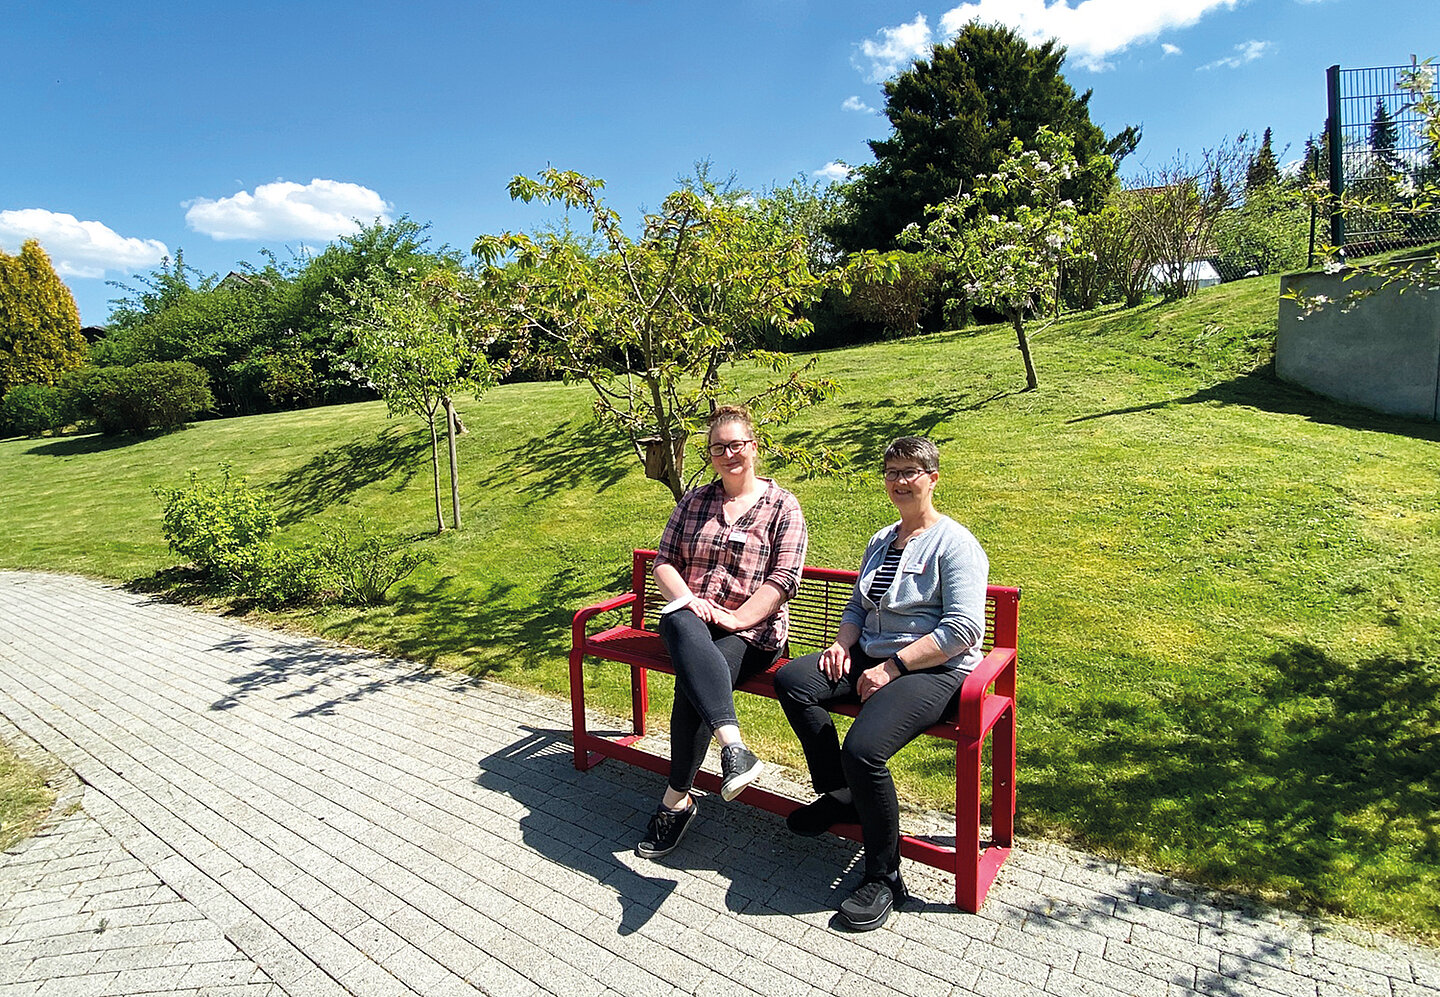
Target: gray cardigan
[939,589]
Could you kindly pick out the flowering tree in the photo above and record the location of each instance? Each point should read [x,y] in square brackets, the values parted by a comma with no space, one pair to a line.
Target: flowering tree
[653,323]
[1012,262]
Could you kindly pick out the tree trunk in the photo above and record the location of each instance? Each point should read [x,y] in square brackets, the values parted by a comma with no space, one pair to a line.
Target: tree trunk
[1030,381]
[451,421]
[435,471]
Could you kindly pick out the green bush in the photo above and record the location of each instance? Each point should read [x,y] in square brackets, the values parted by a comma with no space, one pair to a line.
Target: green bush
[33,408]
[224,528]
[364,565]
[215,525]
[158,395]
[276,575]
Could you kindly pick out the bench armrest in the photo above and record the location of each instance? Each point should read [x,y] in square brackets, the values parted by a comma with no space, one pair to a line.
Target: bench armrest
[973,693]
[584,616]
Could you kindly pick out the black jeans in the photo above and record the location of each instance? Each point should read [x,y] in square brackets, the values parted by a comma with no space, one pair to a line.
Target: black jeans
[709,662]
[890,719]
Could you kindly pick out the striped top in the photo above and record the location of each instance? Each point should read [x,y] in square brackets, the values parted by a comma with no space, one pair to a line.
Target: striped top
[885,574]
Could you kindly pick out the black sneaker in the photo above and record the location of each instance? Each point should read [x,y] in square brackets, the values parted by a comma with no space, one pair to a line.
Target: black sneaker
[819,816]
[666,829]
[869,906]
[738,768]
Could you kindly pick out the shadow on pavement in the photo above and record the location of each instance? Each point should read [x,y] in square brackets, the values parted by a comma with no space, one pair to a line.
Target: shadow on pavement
[589,821]
[348,675]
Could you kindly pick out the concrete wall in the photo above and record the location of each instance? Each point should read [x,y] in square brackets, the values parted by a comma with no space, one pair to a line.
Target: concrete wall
[1383,355]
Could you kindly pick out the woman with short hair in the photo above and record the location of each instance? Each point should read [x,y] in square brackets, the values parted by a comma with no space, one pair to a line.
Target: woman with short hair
[909,635]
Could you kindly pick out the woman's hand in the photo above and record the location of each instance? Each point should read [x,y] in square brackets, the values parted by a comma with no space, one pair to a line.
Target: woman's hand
[835,661]
[872,680]
[723,618]
[705,609]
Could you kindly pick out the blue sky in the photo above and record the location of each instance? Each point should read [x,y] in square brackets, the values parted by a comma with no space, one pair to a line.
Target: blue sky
[134,130]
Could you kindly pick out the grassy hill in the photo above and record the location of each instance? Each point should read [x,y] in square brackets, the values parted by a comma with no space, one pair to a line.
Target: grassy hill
[1232,587]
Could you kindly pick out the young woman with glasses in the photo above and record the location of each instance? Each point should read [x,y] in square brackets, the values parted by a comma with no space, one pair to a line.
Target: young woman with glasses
[728,561]
[908,636]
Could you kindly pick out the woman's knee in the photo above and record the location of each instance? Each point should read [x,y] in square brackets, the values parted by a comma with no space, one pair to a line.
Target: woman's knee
[863,755]
[795,681]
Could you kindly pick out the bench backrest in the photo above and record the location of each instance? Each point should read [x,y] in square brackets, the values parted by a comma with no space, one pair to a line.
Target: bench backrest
[815,610]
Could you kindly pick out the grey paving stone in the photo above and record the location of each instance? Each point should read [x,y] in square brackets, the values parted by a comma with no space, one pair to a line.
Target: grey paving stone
[256,799]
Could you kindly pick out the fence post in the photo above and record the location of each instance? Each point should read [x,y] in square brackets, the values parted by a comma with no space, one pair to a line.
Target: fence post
[1334,127]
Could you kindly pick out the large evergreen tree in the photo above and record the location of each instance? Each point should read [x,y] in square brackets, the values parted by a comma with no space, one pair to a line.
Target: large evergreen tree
[39,324]
[953,118]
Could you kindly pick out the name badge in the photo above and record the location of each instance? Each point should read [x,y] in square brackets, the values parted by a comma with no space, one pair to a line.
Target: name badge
[738,536]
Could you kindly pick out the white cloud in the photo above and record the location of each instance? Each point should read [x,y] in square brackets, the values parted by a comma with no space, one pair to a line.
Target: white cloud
[1245,52]
[897,48]
[833,171]
[856,104]
[78,249]
[320,210]
[1092,30]
[1169,49]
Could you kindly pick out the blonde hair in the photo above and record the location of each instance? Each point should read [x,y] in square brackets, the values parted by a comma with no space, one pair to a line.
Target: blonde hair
[727,414]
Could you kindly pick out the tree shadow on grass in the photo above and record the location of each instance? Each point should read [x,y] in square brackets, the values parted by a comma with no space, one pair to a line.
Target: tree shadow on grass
[581,454]
[1260,389]
[870,426]
[1318,783]
[333,475]
[73,446]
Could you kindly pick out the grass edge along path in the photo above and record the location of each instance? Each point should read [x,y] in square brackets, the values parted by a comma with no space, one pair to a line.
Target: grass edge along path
[1232,587]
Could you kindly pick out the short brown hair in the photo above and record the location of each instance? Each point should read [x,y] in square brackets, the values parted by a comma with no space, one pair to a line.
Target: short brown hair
[731,413]
[920,449]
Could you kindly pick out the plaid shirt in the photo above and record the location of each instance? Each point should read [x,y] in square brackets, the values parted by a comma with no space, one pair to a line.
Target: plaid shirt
[727,563]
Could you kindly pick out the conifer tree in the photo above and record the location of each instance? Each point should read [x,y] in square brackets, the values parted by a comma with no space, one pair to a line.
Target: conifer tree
[953,118]
[39,324]
[1383,138]
[1263,170]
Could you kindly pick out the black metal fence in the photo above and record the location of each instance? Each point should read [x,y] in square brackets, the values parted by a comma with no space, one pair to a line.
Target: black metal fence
[1379,152]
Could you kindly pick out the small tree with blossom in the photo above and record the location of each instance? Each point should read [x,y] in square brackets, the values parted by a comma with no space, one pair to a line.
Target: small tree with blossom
[1011,263]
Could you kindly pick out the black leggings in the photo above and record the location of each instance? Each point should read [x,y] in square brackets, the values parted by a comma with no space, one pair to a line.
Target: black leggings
[709,662]
[890,719]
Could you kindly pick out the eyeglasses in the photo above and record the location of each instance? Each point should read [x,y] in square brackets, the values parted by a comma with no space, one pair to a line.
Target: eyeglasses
[721,449]
[904,474]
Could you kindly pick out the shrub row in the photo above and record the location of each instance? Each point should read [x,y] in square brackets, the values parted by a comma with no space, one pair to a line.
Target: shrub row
[159,395]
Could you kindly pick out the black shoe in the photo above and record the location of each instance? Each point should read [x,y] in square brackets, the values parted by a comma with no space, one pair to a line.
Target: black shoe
[869,906]
[738,768]
[666,829]
[819,816]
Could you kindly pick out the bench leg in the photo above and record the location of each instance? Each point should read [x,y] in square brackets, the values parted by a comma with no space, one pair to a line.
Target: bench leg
[1002,786]
[968,893]
[578,733]
[639,697]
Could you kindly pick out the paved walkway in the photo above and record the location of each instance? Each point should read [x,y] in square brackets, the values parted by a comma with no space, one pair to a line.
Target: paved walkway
[263,814]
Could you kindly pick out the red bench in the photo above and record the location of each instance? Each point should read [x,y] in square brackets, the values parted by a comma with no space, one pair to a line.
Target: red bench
[986,706]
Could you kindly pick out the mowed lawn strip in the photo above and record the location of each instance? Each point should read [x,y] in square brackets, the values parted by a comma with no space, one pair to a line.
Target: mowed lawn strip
[1232,587]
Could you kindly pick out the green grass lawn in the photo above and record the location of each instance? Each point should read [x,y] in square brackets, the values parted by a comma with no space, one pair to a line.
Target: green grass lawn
[1232,587]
